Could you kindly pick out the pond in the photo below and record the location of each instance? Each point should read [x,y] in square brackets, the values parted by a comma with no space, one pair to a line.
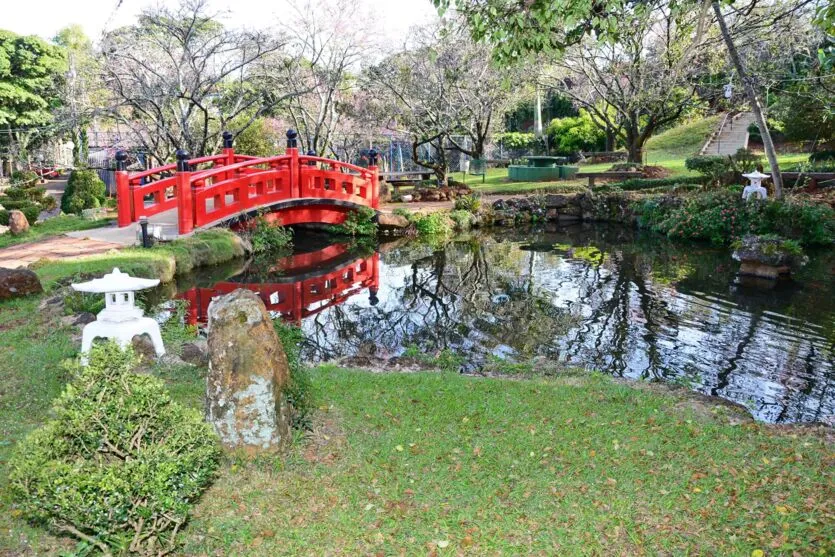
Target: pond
[605,298]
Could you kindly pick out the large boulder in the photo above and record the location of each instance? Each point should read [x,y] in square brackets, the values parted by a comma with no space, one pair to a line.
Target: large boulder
[556,201]
[388,221]
[15,283]
[248,373]
[18,223]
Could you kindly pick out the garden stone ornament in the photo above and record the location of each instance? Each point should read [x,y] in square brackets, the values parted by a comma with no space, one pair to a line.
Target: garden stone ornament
[120,320]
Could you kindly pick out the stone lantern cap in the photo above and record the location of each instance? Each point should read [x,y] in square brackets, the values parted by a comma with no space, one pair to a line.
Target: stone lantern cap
[756,175]
[116,281]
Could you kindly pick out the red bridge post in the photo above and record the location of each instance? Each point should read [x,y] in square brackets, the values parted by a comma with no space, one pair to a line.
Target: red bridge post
[375,179]
[228,148]
[293,153]
[123,196]
[185,202]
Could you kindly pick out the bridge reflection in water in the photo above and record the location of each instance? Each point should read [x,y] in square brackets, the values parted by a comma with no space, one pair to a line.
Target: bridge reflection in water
[300,285]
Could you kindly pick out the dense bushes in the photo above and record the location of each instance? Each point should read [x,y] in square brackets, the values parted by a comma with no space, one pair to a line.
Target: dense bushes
[26,196]
[24,178]
[359,222]
[572,134]
[723,216]
[719,169]
[29,210]
[266,236]
[120,464]
[470,203]
[85,190]
[634,184]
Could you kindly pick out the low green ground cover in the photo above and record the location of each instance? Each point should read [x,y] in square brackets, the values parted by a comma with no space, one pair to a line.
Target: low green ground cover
[52,227]
[436,462]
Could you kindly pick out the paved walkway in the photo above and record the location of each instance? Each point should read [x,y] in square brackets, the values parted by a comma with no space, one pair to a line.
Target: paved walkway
[60,247]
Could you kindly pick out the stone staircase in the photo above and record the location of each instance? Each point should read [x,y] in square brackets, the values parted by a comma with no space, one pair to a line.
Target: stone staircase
[731,136]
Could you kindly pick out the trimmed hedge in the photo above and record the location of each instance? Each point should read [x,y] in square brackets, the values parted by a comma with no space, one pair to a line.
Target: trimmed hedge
[635,184]
[85,190]
[29,210]
[120,465]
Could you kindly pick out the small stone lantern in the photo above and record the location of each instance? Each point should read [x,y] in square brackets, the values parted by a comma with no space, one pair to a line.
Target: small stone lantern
[120,320]
[756,186]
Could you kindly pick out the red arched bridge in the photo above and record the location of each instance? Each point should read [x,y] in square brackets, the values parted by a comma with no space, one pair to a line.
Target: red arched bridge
[208,191]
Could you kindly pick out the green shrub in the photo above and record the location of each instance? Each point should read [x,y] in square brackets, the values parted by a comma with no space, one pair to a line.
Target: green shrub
[470,203]
[359,222]
[723,216]
[432,223]
[24,177]
[463,220]
[267,236]
[578,133]
[822,156]
[712,166]
[634,184]
[29,210]
[85,190]
[298,392]
[745,160]
[405,213]
[15,193]
[120,465]
[515,140]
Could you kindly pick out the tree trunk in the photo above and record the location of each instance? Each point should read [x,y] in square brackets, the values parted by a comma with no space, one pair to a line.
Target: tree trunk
[748,85]
[610,139]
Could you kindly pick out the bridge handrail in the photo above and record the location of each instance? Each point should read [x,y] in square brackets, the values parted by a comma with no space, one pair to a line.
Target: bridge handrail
[364,172]
[218,170]
[173,167]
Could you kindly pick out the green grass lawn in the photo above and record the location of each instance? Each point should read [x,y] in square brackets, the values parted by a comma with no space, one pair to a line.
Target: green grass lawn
[52,227]
[427,463]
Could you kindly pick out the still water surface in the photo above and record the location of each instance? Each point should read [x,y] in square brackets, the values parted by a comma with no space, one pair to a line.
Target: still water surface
[605,298]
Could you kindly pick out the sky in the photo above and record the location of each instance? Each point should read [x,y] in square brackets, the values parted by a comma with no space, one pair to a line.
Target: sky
[46,17]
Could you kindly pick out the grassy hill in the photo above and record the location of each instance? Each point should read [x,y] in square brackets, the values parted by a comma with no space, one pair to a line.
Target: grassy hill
[683,140]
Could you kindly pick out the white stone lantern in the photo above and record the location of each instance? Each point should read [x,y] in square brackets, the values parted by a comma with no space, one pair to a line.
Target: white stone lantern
[756,185]
[120,320]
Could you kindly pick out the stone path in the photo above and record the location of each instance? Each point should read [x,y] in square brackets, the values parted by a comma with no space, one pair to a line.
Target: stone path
[60,247]
[734,136]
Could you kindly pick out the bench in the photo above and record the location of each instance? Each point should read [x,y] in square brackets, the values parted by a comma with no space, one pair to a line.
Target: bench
[623,175]
[403,177]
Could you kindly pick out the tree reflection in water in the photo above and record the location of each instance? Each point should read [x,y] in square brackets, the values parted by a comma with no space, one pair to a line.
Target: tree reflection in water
[601,297]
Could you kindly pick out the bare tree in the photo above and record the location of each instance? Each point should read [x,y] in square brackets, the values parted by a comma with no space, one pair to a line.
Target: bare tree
[178,77]
[330,48]
[441,86]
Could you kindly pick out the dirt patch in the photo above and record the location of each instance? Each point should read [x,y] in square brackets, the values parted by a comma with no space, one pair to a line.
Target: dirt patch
[326,441]
[656,172]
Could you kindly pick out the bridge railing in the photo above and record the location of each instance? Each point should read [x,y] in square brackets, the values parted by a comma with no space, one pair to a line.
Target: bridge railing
[234,184]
